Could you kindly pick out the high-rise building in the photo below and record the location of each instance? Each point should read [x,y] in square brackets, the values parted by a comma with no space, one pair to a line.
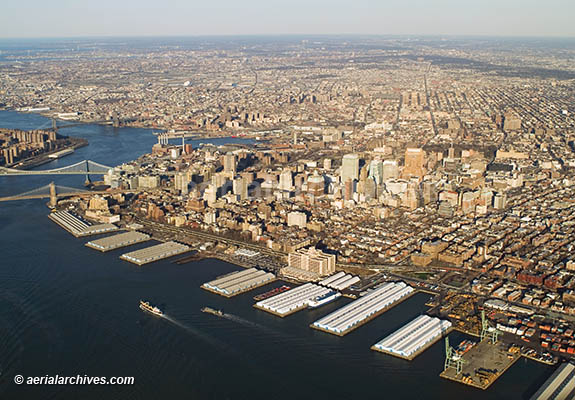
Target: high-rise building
[390,170]
[316,184]
[313,260]
[286,180]
[230,163]
[414,162]
[181,182]
[349,190]
[211,194]
[240,187]
[350,167]
[376,171]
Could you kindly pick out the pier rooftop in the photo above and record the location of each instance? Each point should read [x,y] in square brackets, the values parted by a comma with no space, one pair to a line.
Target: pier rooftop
[414,338]
[79,227]
[293,300]
[364,309]
[560,385]
[116,241]
[239,282]
[155,253]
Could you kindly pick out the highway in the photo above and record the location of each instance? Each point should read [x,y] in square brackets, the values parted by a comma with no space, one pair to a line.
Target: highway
[204,236]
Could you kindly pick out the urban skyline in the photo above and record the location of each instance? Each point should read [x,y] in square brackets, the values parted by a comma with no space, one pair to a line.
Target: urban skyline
[199,216]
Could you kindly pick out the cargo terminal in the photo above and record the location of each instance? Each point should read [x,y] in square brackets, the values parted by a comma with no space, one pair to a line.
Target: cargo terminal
[118,241]
[155,253]
[239,282]
[78,227]
[414,338]
[364,309]
[307,295]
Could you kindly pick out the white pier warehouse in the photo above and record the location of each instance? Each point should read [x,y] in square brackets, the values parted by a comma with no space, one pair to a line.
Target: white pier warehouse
[362,310]
[307,295]
[414,338]
[155,253]
[339,281]
[117,241]
[239,282]
[79,227]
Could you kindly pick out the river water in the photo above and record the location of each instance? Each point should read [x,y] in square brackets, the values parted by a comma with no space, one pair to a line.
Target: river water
[66,309]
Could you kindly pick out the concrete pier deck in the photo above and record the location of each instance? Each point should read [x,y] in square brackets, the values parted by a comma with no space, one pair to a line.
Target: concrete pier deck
[155,253]
[118,241]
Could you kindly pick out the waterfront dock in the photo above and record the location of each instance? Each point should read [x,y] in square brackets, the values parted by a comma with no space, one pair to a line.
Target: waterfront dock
[117,241]
[239,282]
[364,309]
[414,338]
[155,253]
[293,300]
[79,227]
[483,365]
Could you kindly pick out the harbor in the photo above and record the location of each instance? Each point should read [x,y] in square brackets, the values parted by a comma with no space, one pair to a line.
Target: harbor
[414,338]
[364,309]
[118,241]
[79,227]
[155,253]
[482,365]
[239,282]
[293,300]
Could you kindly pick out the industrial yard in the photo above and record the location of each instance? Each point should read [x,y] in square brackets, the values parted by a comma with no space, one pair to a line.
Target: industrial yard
[364,309]
[79,227]
[297,299]
[482,365]
[118,241]
[239,282]
[155,253]
[414,338]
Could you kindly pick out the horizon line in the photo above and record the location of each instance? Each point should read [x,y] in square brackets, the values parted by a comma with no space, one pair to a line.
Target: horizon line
[232,35]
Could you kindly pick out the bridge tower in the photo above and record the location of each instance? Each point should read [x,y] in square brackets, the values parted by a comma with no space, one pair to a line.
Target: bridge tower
[88,181]
[53,195]
[54,125]
[115,120]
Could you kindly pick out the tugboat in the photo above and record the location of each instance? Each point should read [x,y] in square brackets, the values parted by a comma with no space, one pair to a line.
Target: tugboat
[218,313]
[145,306]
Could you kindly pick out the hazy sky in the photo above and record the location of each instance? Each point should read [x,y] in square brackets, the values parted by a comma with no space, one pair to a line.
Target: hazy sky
[65,18]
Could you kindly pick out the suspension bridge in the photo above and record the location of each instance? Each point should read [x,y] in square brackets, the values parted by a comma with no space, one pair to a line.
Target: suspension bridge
[85,167]
[53,192]
[115,121]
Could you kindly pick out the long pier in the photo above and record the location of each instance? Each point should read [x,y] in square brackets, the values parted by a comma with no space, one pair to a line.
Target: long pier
[367,319]
[118,241]
[155,253]
[418,352]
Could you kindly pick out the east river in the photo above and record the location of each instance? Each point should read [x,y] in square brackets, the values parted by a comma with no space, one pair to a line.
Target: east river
[68,310]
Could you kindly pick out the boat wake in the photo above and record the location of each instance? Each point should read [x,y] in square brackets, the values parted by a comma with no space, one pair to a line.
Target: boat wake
[214,342]
[242,321]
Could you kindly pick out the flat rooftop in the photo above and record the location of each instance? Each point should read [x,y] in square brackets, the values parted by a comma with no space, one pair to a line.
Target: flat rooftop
[117,241]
